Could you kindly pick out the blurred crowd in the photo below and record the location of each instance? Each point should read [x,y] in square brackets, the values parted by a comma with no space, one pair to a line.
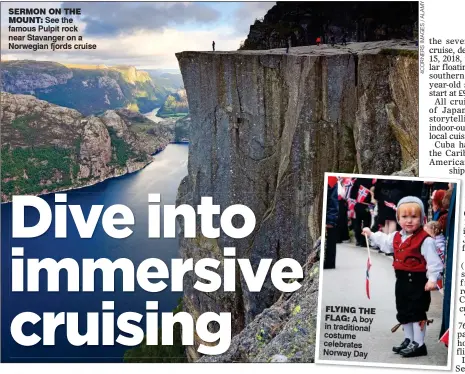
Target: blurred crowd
[355,203]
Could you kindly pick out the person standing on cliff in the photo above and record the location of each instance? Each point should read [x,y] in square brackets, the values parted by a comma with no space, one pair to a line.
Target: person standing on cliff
[288,44]
[213,46]
[344,39]
[318,40]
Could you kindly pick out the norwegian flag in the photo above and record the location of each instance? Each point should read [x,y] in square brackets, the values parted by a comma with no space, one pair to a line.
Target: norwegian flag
[445,338]
[390,205]
[367,283]
[350,208]
[362,194]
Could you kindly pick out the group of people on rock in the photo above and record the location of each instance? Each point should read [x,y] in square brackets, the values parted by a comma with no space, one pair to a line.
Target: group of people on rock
[332,40]
[413,221]
[318,41]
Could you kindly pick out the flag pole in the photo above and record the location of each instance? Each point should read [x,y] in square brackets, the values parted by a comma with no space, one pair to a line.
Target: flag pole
[367,281]
[368,248]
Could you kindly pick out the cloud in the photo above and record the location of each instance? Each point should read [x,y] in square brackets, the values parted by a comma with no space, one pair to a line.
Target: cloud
[247,13]
[146,34]
[149,49]
[103,18]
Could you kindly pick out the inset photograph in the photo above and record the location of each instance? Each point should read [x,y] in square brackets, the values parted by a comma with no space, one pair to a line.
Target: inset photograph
[387,271]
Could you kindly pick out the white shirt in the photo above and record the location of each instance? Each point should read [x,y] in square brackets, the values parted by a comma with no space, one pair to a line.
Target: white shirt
[434,265]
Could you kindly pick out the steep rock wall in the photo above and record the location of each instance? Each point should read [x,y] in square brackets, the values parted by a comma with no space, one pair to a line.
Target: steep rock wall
[265,127]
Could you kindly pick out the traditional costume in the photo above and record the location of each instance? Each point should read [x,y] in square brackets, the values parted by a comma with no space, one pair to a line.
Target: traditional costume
[415,262]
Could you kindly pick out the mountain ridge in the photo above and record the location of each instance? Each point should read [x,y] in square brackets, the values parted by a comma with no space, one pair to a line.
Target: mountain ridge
[48,148]
[90,89]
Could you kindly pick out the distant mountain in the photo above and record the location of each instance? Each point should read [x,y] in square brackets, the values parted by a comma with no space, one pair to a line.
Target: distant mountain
[47,148]
[175,105]
[90,89]
[302,22]
[170,79]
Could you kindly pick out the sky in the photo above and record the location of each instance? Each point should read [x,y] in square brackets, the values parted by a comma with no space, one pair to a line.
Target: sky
[142,34]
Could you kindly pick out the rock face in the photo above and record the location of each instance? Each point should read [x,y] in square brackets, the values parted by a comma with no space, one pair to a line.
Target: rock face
[86,88]
[48,148]
[303,22]
[285,332]
[266,126]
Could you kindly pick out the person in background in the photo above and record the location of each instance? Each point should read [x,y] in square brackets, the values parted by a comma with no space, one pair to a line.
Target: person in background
[438,210]
[332,212]
[447,283]
[388,193]
[213,45]
[442,220]
[427,191]
[343,222]
[344,39]
[333,40]
[361,193]
[318,40]
[288,44]
[433,229]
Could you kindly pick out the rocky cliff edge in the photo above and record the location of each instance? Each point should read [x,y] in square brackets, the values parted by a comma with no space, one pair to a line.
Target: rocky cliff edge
[266,126]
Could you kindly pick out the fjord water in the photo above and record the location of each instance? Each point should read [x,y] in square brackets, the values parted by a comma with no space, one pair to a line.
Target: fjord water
[162,176]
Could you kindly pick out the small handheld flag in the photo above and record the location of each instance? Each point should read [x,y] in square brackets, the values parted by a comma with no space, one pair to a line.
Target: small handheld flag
[367,282]
[445,338]
[362,194]
[350,208]
[390,205]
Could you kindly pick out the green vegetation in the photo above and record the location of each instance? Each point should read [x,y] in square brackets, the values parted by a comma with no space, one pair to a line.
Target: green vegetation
[160,353]
[121,150]
[296,310]
[32,170]
[133,107]
[175,105]
[22,124]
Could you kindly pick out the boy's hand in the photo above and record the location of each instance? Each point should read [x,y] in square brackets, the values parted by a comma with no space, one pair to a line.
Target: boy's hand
[366,231]
[430,286]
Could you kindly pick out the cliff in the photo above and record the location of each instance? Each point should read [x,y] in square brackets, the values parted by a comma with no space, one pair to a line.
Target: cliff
[302,22]
[90,89]
[265,127]
[48,148]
